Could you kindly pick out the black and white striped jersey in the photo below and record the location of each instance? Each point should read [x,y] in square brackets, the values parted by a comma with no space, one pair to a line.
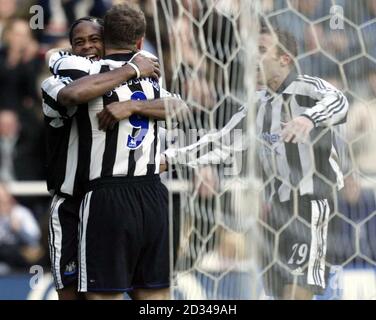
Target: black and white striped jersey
[132,148]
[61,137]
[310,168]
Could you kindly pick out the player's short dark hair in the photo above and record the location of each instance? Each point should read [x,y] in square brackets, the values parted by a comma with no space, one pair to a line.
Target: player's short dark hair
[286,40]
[99,21]
[124,25]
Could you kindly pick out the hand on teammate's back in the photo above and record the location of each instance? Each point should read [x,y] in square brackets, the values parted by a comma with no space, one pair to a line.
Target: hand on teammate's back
[149,67]
[113,113]
[297,130]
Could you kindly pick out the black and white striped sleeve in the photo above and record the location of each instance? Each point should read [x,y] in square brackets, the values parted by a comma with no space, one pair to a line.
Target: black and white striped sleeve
[67,65]
[167,94]
[332,105]
[51,107]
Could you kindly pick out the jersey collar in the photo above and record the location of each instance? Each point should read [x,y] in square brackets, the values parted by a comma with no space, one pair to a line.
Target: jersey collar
[290,78]
[120,56]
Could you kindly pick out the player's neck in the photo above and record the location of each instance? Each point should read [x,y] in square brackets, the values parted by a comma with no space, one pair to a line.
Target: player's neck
[277,80]
[111,51]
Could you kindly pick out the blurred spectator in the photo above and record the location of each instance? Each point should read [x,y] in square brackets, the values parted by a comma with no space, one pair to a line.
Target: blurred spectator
[21,148]
[19,66]
[60,14]
[273,5]
[372,84]
[360,74]
[193,78]
[9,134]
[224,271]
[341,44]
[361,128]
[319,65]
[7,11]
[291,22]
[150,43]
[357,200]
[356,203]
[369,39]
[312,9]
[299,27]
[335,80]
[19,234]
[360,11]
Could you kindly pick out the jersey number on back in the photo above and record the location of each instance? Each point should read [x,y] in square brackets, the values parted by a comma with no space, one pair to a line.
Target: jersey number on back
[141,124]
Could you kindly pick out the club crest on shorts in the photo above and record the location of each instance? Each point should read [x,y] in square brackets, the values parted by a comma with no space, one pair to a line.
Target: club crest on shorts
[297,272]
[70,268]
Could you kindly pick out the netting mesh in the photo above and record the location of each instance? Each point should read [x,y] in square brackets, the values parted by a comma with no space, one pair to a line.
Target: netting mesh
[209,52]
[335,43]
[206,65]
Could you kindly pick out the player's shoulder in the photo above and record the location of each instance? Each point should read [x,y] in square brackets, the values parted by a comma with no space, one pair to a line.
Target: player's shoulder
[54,55]
[67,60]
[315,82]
[54,82]
[146,54]
[47,82]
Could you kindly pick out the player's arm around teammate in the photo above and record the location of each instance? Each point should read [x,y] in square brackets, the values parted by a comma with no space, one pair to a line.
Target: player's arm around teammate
[156,109]
[92,86]
[86,87]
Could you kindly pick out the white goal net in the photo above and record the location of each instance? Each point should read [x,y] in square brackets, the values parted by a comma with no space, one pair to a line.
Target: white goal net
[210,53]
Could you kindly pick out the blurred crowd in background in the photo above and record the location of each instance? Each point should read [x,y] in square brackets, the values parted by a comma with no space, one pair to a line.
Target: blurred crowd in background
[345,57]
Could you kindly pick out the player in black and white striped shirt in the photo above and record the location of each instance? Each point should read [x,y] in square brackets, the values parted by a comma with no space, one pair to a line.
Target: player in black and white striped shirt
[124,225]
[60,95]
[300,164]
